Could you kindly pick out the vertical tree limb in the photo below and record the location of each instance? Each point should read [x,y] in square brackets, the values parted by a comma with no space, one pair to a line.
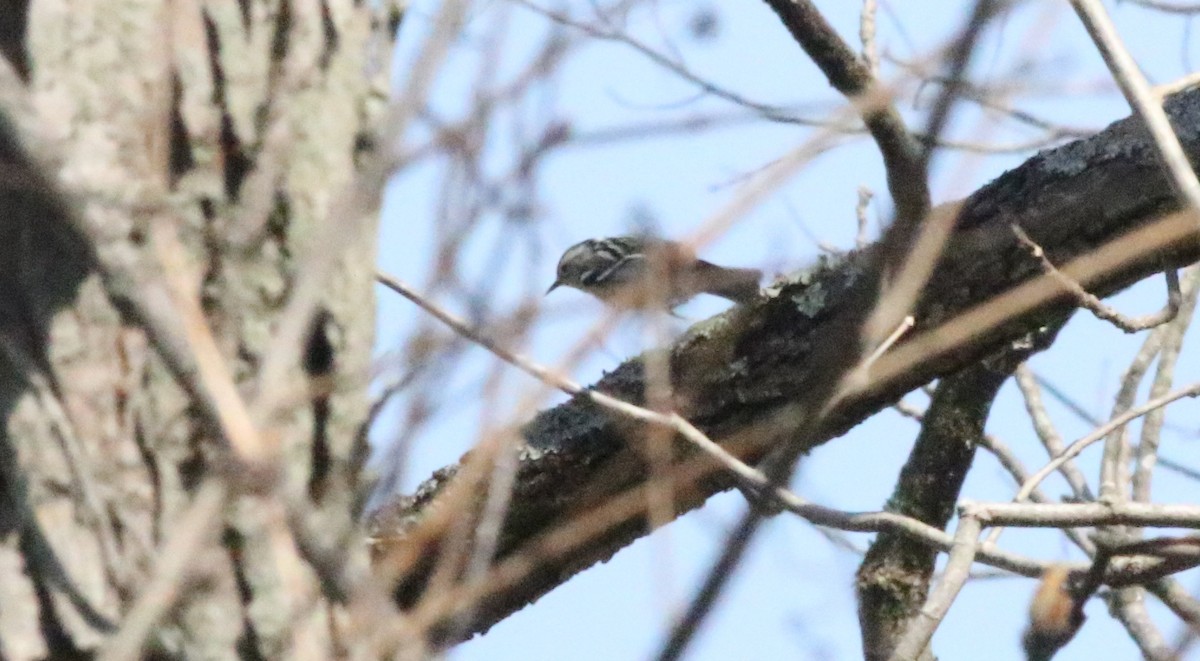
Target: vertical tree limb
[894,578]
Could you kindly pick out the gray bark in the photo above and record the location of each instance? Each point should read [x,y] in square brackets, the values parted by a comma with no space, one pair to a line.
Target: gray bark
[234,131]
[235,126]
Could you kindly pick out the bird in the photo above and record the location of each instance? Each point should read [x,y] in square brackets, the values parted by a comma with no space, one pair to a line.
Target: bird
[1055,615]
[625,272]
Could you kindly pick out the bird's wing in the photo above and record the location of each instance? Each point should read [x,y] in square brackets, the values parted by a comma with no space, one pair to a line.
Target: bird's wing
[628,268]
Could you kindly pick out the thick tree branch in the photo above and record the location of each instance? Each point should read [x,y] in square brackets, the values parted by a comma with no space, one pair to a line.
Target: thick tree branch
[742,368]
[852,76]
[895,575]
[894,272]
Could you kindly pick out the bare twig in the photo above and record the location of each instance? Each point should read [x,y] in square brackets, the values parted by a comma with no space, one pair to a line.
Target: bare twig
[1129,603]
[1045,430]
[193,529]
[866,33]
[903,327]
[1173,333]
[958,569]
[745,474]
[861,238]
[1141,98]
[1168,7]
[1078,446]
[1178,85]
[1096,306]
[1013,465]
[852,77]
[1061,515]
[773,113]
[1113,469]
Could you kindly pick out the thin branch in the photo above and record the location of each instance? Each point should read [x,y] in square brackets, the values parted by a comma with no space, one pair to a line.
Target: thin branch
[1078,446]
[771,112]
[1173,334]
[866,34]
[852,77]
[1045,430]
[1168,7]
[1178,85]
[958,570]
[193,529]
[1064,515]
[1129,603]
[959,57]
[1015,468]
[1113,469]
[746,475]
[1141,98]
[1096,306]
[903,327]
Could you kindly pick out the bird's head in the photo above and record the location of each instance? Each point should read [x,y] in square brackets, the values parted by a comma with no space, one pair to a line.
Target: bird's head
[581,264]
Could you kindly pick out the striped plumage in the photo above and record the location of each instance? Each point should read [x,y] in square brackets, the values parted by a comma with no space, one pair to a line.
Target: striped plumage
[621,270]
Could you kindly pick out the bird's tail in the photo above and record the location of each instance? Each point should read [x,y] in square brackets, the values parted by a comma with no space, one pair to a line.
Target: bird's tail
[737,285]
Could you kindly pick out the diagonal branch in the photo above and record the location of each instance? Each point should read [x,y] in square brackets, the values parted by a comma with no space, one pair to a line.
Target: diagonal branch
[958,570]
[895,575]
[850,75]
[895,272]
[1097,307]
[1141,98]
[1095,206]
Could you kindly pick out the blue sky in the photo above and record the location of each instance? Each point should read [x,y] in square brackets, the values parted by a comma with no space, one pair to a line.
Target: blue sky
[793,597]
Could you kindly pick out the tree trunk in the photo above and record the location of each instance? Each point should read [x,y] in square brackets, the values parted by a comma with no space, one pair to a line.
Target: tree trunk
[228,129]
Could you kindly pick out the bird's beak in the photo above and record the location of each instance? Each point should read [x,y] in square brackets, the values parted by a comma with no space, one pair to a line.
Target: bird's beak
[554,286]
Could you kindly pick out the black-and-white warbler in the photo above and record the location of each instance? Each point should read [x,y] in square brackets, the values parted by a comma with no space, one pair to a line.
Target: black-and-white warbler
[628,271]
